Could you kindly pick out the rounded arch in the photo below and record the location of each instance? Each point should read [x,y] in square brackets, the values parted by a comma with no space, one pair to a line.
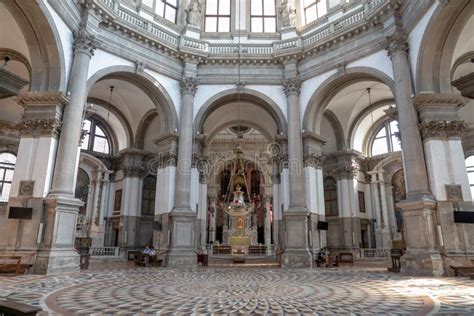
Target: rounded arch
[227,124]
[153,89]
[320,99]
[244,95]
[337,128]
[48,70]
[361,116]
[438,44]
[142,128]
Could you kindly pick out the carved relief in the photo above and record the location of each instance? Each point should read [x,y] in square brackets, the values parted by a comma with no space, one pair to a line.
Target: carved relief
[397,43]
[291,86]
[442,129]
[313,160]
[39,127]
[189,85]
[85,42]
[26,188]
[453,193]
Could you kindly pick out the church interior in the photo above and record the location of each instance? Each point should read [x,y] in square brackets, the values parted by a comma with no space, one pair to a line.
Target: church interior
[245,143]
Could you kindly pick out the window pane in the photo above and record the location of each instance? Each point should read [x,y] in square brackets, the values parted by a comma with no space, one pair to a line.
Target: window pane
[256,7]
[211,24]
[381,133]
[87,126]
[269,7]
[85,143]
[224,7]
[8,175]
[470,177]
[99,131]
[310,14]
[160,7]
[172,2]
[270,25]
[396,144]
[394,126]
[170,14]
[257,25]
[5,193]
[224,25]
[2,172]
[470,161]
[322,8]
[100,145]
[308,2]
[379,146]
[211,7]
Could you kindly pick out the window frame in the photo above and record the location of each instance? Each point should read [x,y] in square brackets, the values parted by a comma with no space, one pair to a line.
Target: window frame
[310,6]
[218,16]
[333,201]
[150,198]
[92,135]
[263,17]
[470,170]
[165,5]
[388,138]
[5,166]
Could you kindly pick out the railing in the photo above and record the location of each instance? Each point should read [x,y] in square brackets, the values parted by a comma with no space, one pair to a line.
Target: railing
[374,253]
[105,251]
[168,38]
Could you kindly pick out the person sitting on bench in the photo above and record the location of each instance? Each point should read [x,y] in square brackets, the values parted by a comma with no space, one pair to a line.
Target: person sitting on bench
[150,254]
[324,256]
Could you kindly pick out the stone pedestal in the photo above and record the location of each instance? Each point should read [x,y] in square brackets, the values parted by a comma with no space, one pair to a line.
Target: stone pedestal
[56,252]
[182,252]
[296,253]
[423,256]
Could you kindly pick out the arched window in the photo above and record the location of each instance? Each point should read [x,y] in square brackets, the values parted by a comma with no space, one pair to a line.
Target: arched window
[386,139]
[167,9]
[148,196]
[217,16]
[313,10]
[262,16]
[95,139]
[7,167]
[470,172]
[330,197]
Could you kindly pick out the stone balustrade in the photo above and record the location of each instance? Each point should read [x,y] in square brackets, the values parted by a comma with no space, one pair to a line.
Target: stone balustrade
[374,253]
[105,251]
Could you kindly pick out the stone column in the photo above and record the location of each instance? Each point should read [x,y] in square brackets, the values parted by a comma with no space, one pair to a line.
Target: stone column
[296,217]
[95,207]
[165,166]
[39,130]
[384,213]
[203,168]
[213,218]
[276,201]
[56,251]
[182,252]
[313,144]
[442,130]
[421,239]
[267,221]
[131,161]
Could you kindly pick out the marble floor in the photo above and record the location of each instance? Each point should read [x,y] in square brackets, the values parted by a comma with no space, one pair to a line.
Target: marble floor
[120,288]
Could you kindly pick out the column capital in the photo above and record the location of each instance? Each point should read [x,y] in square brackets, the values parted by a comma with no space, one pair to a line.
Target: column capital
[313,160]
[442,130]
[397,43]
[291,86]
[189,85]
[85,42]
[40,127]
[202,165]
[166,159]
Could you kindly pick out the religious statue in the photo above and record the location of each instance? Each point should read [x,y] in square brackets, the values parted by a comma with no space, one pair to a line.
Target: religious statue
[193,13]
[287,15]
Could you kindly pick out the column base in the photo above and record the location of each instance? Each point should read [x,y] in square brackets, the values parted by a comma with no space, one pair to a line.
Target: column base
[183,241]
[56,261]
[422,264]
[296,253]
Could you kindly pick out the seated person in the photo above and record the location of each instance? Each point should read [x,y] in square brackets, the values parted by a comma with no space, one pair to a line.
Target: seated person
[324,256]
[146,251]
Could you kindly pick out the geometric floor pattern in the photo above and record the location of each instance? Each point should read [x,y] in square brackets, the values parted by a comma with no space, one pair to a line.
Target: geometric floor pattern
[241,291]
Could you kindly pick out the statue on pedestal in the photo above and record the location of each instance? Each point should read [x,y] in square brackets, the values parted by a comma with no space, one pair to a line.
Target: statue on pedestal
[287,15]
[193,13]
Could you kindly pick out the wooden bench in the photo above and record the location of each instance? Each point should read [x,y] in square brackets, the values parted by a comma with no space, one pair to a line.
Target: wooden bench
[132,254]
[462,270]
[346,257]
[222,250]
[147,261]
[12,264]
[8,307]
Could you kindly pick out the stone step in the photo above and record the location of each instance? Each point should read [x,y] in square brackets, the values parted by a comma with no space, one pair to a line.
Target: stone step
[248,261]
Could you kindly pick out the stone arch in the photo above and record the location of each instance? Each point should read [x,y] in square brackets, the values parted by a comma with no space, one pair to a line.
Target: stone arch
[441,35]
[123,120]
[48,70]
[337,127]
[356,122]
[246,95]
[330,87]
[142,128]
[235,122]
[154,90]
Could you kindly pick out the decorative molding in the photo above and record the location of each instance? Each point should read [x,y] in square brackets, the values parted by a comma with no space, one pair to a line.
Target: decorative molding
[349,171]
[39,127]
[133,171]
[397,43]
[189,85]
[85,42]
[313,160]
[42,99]
[453,193]
[26,188]
[291,86]
[442,129]
[166,159]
